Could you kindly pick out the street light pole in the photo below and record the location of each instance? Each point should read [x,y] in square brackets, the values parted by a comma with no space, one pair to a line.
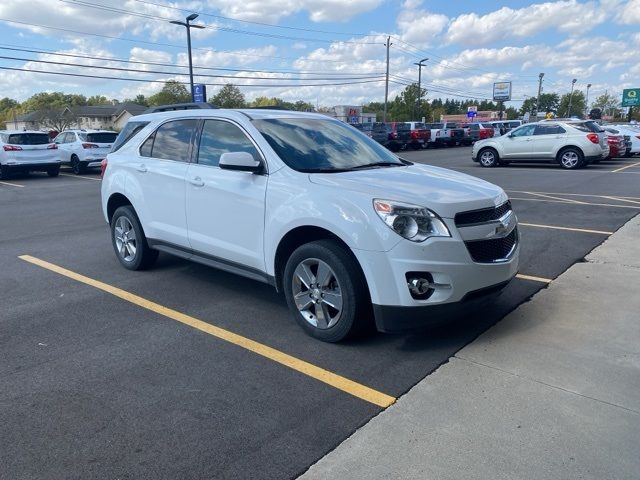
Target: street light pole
[386,82]
[188,26]
[420,63]
[586,103]
[539,92]
[573,82]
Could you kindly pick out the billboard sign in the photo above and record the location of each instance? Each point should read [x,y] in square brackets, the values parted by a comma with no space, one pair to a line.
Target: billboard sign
[199,93]
[502,91]
[631,97]
[472,108]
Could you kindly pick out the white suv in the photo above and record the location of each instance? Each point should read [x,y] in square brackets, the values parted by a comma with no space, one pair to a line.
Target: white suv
[572,144]
[345,228]
[83,149]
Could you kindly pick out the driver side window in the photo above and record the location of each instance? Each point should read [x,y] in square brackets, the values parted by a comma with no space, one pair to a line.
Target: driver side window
[525,131]
[220,137]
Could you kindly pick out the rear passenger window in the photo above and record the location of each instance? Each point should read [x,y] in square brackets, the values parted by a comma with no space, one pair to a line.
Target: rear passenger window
[171,141]
[220,137]
[548,130]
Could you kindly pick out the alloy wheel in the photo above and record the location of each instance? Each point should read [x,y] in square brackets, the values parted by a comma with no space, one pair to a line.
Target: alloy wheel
[317,293]
[125,238]
[570,159]
[487,158]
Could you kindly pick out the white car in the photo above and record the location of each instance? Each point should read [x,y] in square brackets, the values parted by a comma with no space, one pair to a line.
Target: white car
[632,133]
[27,151]
[571,144]
[83,149]
[306,203]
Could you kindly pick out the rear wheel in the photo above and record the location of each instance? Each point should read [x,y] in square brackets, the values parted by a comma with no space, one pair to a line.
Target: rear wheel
[129,241]
[571,158]
[4,172]
[488,157]
[76,165]
[326,291]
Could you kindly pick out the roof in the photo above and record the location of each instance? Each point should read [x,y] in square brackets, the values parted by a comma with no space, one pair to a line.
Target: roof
[253,114]
[12,132]
[91,111]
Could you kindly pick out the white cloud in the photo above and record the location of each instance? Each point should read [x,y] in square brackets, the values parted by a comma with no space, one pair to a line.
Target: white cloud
[419,27]
[567,16]
[629,13]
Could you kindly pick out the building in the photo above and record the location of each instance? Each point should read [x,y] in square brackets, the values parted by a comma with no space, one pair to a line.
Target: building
[482,116]
[96,117]
[351,114]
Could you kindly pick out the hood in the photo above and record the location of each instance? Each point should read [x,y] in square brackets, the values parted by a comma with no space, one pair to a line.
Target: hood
[444,191]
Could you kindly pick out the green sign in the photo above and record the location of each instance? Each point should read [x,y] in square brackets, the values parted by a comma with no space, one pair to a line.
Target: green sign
[631,97]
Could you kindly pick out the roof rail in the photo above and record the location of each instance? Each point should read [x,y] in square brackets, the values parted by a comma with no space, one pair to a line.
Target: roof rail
[179,106]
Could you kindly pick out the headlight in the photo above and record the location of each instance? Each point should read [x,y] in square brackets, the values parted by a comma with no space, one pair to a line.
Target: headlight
[412,222]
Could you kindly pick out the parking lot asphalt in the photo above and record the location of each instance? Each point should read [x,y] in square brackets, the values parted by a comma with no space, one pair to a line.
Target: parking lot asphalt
[109,383]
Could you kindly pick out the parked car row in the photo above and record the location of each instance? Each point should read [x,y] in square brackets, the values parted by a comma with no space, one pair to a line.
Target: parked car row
[34,151]
[571,143]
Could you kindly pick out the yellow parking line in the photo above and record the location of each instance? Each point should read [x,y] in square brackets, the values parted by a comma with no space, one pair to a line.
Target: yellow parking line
[624,168]
[534,279]
[12,184]
[567,202]
[570,229]
[341,383]
[80,177]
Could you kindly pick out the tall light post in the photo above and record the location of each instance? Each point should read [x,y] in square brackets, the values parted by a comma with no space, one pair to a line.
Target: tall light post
[188,26]
[539,92]
[420,64]
[586,103]
[573,82]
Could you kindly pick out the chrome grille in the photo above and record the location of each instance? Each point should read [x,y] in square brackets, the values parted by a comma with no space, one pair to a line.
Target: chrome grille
[473,217]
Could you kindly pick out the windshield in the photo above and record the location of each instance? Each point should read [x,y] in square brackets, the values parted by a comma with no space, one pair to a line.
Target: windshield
[99,137]
[316,145]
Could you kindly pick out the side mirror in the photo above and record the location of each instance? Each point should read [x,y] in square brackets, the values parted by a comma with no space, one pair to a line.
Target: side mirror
[241,161]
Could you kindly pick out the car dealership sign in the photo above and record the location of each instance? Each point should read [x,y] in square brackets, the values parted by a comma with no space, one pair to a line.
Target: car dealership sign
[502,91]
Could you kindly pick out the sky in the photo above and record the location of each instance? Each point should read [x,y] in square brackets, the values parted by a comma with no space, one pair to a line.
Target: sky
[325,52]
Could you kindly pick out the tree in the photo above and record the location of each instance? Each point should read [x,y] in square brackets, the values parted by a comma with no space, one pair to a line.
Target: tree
[98,100]
[172,92]
[405,106]
[578,105]
[608,104]
[302,106]
[229,96]
[8,108]
[549,102]
[50,101]
[57,119]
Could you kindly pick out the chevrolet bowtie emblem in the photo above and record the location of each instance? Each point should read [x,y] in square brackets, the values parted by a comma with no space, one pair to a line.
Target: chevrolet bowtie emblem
[503,226]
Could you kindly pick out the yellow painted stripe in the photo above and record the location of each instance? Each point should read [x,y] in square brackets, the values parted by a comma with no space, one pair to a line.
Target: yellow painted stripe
[341,383]
[80,177]
[624,168]
[570,229]
[534,279]
[12,184]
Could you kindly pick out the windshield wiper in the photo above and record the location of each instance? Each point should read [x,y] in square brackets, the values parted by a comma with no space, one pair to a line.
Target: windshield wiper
[377,164]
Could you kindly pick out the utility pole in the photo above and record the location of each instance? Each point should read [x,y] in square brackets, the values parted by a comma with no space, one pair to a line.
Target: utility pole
[188,26]
[573,82]
[386,83]
[539,92]
[586,103]
[420,63]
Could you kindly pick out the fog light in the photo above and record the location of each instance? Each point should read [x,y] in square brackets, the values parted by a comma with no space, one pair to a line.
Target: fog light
[420,285]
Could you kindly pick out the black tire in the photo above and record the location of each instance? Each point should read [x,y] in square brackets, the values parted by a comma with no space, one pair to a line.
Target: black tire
[77,166]
[144,256]
[53,172]
[355,313]
[4,172]
[570,158]
[491,158]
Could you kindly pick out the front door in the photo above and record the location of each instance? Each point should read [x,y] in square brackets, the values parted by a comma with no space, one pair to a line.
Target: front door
[225,208]
[517,144]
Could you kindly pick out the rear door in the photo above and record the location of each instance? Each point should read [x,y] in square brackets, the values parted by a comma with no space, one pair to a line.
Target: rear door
[225,208]
[157,177]
[29,148]
[517,144]
[546,137]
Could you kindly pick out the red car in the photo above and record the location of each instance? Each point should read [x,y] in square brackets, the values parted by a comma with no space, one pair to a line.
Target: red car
[617,145]
[419,135]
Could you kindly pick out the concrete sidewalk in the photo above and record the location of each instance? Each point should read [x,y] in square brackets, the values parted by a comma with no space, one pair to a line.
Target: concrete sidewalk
[551,392]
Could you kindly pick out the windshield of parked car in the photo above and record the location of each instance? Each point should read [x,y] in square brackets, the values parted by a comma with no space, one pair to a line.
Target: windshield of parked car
[317,145]
[99,137]
[419,126]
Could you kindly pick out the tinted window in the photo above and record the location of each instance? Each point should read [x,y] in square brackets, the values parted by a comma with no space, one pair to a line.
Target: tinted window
[145,148]
[173,139]
[403,126]
[474,126]
[525,131]
[548,130]
[220,137]
[127,133]
[312,145]
[419,126]
[100,137]
[589,126]
[28,138]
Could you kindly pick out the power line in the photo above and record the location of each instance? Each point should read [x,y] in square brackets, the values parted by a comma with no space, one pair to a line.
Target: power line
[256,85]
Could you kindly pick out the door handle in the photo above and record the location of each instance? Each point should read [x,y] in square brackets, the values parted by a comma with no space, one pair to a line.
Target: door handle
[142,168]
[197,182]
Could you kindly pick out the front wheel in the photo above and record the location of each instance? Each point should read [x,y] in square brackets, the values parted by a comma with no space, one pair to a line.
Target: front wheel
[326,291]
[571,158]
[129,241]
[488,157]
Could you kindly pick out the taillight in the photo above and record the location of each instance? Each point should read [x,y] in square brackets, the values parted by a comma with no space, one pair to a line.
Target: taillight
[593,137]
[52,146]
[103,167]
[11,148]
[90,145]
[414,134]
